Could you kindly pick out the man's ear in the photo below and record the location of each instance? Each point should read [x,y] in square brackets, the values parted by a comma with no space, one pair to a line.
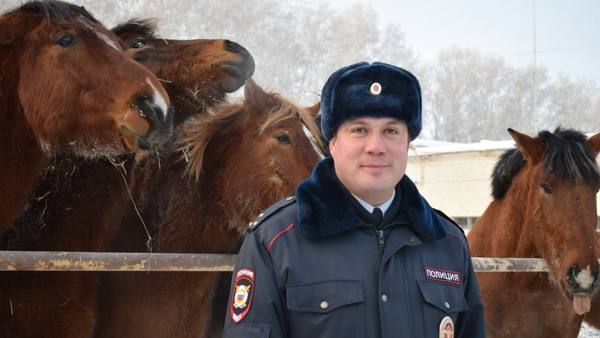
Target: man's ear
[331,145]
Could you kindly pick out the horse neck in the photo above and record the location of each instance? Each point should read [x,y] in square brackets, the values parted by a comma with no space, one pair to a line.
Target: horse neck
[509,222]
[193,219]
[186,105]
[21,157]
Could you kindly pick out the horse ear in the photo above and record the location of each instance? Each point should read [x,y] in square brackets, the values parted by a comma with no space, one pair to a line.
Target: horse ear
[8,33]
[314,109]
[254,95]
[531,148]
[594,142]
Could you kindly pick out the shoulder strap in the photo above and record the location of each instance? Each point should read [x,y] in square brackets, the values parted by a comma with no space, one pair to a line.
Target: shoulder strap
[270,211]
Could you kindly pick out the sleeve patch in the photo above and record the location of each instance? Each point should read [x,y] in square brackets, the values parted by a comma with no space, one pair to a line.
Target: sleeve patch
[243,290]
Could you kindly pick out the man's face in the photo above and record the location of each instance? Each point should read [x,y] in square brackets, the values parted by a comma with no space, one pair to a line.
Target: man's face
[370,156]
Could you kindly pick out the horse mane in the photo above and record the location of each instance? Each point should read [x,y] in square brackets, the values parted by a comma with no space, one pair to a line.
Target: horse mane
[199,131]
[54,11]
[566,155]
[144,27]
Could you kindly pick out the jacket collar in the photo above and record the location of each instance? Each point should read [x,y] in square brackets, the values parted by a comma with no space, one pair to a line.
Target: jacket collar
[324,209]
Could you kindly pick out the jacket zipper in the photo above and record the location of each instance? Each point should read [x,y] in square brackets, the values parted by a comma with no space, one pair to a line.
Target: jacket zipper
[381,238]
[381,244]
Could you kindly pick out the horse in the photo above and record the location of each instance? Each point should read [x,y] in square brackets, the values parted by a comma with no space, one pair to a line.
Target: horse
[229,165]
[75,195]
[196,73]
[544,206]
[66,85]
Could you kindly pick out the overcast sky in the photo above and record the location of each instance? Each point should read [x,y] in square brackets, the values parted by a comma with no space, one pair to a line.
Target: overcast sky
[567,31]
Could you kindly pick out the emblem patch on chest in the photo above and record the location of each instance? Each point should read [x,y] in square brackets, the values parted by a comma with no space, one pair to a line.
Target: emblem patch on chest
[446,328]
[444,276]
[243,290]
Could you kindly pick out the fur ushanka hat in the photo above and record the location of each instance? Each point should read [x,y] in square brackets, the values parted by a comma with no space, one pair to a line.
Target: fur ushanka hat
[376,90]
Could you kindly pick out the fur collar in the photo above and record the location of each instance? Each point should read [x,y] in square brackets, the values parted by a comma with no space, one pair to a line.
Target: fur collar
[323,211]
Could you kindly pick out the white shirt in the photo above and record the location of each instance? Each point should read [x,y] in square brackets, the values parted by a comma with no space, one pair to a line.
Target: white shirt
[383,206]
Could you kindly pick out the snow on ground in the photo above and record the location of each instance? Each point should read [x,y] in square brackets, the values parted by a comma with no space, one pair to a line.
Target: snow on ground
[588,332]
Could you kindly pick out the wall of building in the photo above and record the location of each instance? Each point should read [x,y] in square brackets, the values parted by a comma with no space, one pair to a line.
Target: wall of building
[456,182]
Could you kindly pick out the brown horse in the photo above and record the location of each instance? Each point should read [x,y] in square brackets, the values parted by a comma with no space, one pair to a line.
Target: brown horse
[67,85]
[195,73]
[544,206]
[233,163]
[77,200]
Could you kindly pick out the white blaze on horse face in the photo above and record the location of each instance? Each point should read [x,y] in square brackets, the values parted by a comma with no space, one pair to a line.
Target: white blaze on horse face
[100,35]
[584,278]
[312,141]
[159,100]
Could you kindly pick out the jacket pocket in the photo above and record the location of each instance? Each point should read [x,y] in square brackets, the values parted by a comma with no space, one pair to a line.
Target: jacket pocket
[440,301]
[326,309]
[247,331]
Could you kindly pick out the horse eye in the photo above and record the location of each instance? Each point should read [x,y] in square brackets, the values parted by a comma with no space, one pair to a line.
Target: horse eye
[138,44]
[546,187]
[283,139]
[66,40]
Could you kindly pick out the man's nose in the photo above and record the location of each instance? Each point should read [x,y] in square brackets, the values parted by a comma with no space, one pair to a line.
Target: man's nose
[375,143]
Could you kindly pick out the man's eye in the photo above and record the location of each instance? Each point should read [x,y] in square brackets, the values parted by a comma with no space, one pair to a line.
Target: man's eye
[392,131]
[359,130]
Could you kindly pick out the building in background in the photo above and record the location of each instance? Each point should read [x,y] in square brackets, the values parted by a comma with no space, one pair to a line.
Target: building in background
[456,177]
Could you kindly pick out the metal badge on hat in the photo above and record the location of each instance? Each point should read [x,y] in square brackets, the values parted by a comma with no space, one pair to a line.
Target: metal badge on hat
[446,328]
[375,88]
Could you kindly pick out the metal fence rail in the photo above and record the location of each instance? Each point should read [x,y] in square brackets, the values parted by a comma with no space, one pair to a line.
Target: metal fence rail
[145,262]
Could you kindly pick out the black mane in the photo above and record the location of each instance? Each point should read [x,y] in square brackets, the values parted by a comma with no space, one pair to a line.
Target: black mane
[53,10]
[144,27]
[566,156]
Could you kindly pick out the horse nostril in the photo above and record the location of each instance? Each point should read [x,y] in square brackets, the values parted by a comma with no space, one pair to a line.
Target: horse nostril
[247,64]
[581,280]
[152,112]
[233,46]
[143,103]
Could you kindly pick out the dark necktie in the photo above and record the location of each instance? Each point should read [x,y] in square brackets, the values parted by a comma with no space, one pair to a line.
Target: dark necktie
[377,216]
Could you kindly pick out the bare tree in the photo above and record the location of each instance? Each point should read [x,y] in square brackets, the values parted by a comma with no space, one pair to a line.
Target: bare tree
[296,44]
[571,104]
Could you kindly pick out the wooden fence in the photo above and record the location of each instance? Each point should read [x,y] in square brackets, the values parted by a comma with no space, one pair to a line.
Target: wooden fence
[146,262]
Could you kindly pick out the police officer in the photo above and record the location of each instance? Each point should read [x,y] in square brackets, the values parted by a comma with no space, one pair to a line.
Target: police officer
[358,252]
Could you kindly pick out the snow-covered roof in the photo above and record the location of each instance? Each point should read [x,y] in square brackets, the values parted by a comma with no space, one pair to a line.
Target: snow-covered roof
[429,147]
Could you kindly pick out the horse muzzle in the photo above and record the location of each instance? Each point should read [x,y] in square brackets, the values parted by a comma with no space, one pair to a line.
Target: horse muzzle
[239,71]
[155,114]
[582,283]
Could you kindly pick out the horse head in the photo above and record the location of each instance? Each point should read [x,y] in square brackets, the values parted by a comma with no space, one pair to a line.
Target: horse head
[74,84]
[559,179]
[196,73]
[256,152]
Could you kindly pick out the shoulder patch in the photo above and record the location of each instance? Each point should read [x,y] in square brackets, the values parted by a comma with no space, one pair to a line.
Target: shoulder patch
[270,211]
[439,212]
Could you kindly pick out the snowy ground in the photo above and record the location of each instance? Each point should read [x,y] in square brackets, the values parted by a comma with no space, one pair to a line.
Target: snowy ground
[588,332]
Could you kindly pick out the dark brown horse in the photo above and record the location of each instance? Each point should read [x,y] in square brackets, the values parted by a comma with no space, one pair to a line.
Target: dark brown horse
[544,206]
[233,163]
[76,202]
[67,85]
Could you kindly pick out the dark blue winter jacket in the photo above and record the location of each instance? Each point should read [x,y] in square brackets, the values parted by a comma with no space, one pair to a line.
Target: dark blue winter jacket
[316,266]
